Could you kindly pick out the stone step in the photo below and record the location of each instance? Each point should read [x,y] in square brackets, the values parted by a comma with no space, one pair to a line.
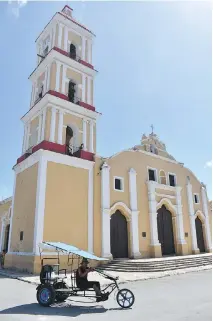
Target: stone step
[157,265]
[152,269]
[142,265]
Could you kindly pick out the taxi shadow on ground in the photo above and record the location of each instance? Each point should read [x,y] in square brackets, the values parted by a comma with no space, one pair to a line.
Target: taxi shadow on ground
[69,310]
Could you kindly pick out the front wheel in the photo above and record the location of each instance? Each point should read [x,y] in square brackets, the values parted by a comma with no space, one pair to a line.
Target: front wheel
[125,298]
[46,295]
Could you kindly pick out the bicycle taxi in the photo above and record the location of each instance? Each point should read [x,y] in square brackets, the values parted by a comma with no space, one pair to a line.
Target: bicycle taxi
[54,287]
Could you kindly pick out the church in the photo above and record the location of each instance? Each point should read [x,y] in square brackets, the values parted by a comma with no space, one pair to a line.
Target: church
[138,203]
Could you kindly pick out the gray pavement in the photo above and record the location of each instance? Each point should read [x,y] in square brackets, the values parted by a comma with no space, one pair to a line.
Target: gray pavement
[185,297]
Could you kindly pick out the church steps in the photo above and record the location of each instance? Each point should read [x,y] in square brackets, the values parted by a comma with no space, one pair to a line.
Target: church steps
[156,266]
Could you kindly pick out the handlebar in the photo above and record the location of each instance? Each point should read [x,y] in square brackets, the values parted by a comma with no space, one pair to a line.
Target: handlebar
[107,276]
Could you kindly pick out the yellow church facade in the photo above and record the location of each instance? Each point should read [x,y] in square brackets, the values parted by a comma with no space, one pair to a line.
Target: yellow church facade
[138,203]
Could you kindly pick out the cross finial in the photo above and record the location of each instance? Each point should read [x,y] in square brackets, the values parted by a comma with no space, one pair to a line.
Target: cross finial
[152,129]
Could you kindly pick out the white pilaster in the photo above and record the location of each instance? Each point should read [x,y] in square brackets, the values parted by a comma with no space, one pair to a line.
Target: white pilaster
[192,216]
[179,217]
[53,37]
[60,126]
[40,204]
[89,91]
[63,86]
[32,95]
[135,212]
[83,48]
[52,125]
[85,133]
[105,205]
[206,213]
[89,48]
[43,124]
[153,214]
[47,86]
[65,38]
[39,129]
[83,88]
[24,139]
[91,137]
[28,136]
[57,83]
[60,27]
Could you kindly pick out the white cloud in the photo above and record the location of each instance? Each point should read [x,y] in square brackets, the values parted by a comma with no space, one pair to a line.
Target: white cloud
[15,6]
[208,164]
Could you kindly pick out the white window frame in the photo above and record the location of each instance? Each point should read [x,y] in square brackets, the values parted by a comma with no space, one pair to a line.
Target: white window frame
[175,176]
[198,198]
[156,174]
[122,183]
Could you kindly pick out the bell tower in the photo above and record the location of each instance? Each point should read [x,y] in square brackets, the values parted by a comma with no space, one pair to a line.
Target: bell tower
[54,175]
[62,116]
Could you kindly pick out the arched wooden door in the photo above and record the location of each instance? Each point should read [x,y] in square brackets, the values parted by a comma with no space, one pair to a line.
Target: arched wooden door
[199,232]
[165,231]
[118,235]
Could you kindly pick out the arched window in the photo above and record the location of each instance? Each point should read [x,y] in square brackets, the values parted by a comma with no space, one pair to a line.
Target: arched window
[69,141]
[72,91]
[72,51]
[162,177]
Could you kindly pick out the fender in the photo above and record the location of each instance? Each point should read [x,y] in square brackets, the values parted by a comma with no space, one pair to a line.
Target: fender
[38,287]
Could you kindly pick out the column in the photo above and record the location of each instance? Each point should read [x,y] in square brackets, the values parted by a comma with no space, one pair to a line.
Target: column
[43,124]
[83,88]
[63,85]
[60,127]
[83,52]
[65,38]
[91,137]
[206,213]
[135,212]
[192,216]
[47,83]
[60,27]
[57,82]
[89,48]
[179,216]
[153,214]
[52,125]
[105,206]
[53,37]
[32,95]
[85,134]
[24,139]
[28,136]
[39,129]
[89,90]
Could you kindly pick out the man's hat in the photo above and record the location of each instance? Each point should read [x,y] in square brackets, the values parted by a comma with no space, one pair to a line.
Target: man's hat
[84,260]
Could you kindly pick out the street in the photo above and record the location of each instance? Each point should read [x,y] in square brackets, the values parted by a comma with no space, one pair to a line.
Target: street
[185,297]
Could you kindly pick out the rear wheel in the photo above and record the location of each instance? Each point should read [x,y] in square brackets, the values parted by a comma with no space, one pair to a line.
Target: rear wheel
[60,297]
[46,295]
[125,298]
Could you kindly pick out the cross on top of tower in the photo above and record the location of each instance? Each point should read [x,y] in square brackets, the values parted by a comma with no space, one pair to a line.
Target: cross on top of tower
[152,127]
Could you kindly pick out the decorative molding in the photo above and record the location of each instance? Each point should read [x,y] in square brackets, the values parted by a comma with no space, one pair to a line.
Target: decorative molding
[125,207]
[200,214]
[165,195]
[167,202]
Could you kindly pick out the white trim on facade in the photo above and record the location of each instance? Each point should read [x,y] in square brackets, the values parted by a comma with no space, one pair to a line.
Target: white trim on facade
[206,213]
[192,217]
[66,106]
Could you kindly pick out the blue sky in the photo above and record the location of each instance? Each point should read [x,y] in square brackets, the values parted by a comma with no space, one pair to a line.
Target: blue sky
[154,63]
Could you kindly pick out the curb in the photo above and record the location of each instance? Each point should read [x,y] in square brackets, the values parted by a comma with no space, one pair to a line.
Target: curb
[150,277]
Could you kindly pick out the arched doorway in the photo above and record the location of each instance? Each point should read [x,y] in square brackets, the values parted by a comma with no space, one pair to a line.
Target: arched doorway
[6,237]
[199,233]
[165,231]
[118,235]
